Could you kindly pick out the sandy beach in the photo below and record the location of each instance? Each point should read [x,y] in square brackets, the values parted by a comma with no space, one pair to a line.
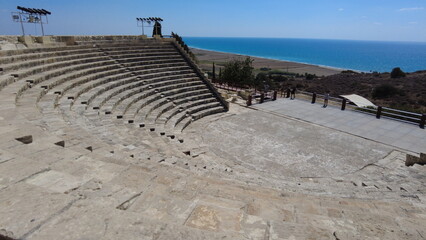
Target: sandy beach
[206,58]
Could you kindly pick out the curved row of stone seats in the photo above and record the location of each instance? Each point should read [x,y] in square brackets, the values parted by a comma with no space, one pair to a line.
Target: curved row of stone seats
[133,88]
[152,89]
[31,59]
[143,104]
[9,56]
[103,89]
[186,115]
[196,98]
[73,89]
[205,101]
[142,55]
[172,100]
[66,82]
[92,83]
[77,69]
[140,65]
[57,83]
[121,52]
[52,57]
[51,64]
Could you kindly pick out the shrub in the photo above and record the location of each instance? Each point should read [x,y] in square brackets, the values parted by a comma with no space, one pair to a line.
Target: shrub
[309,76]
[397,73]
[384,91]
[238,72]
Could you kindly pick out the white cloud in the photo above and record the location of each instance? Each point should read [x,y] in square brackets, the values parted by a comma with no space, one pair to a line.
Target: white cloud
[340,9]
[377,23]
[410,9]
[413,23]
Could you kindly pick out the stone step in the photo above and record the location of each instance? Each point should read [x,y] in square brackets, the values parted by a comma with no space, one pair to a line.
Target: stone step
[153,62]
[169,96]
[39,73]
[151,119]
[140,67]
[108,94]
[149,58]
[26,63]
[181,114]
[143,55]
[116,52]
[34,53]
[150,90]
[62,72]
[161,92]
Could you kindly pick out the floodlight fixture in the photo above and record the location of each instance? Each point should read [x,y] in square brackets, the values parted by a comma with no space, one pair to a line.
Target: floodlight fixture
[147,22]
[31,15]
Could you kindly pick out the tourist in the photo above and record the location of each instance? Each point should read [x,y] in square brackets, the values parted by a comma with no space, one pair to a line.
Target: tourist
[326,97]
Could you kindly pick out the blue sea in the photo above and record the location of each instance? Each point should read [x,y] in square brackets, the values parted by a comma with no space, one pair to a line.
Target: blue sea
[363,56]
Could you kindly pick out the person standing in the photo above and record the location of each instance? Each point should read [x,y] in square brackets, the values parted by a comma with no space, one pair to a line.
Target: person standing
[326,97]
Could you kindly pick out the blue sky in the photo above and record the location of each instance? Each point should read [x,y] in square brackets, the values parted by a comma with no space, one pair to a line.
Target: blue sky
[385,20]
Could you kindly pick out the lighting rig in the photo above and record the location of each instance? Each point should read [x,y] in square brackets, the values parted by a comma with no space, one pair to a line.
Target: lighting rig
[31,15]
[147,22]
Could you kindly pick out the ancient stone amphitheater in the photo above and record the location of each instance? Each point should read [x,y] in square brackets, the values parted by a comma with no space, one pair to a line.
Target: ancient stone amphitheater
[122,137]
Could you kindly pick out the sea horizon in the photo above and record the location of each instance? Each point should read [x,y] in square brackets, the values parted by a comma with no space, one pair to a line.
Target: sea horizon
[342,54]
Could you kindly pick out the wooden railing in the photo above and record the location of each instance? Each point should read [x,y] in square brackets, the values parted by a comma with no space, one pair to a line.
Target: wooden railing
[343,104]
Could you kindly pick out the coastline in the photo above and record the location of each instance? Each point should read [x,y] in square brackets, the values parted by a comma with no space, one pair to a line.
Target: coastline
[206,57]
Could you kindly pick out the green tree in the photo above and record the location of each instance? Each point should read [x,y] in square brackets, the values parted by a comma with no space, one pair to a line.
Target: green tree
[214,74]
[397,73]
[260,80]
[238,72]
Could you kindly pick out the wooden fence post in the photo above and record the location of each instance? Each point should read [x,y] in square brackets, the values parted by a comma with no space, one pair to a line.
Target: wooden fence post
[262,97]
[314,98]
[249,100]
[423,120]
[343,104]
[379,112]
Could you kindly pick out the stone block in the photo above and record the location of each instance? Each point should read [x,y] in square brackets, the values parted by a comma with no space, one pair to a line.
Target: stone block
[410,160]
[44,39]
[27,40]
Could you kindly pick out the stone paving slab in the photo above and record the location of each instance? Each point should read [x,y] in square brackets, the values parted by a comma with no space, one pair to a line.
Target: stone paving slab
[401,135]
